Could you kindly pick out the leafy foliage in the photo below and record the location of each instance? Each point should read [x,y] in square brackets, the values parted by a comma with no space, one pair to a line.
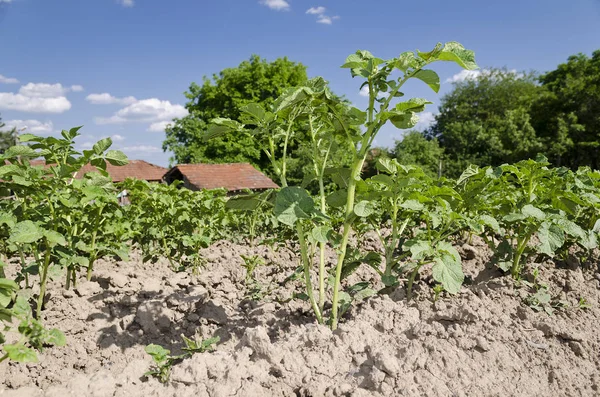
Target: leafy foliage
[164,361]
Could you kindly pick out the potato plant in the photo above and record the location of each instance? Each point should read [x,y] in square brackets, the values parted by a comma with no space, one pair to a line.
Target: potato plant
[514,203]
[422,216]
[175,223]
[53,223]
[333,124]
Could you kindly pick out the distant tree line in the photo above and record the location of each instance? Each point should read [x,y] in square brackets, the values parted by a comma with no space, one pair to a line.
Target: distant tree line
[503,116]
[498,117]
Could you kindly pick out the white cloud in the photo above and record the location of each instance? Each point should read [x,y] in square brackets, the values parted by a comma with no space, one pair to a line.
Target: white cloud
[106,99]
[425,120]
[117,138]
[76,88]
[43,90]
[30,126]
[5,1]
[321,17]
[279,5]
[23,103]
[8,80]
[127,3]
[364,91]
[464,75]
[475,74]
[159,126]
[316,10]
[141,149]
[151,110]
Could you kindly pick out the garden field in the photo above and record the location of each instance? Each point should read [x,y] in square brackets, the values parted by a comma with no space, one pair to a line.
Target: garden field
[346,284]
[484,341]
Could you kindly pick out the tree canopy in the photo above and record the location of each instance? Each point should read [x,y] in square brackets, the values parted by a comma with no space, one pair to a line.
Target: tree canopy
[7,138]
[486,120]
[253,81]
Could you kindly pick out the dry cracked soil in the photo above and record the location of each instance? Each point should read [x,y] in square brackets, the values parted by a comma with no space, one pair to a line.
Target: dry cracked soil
[485,341]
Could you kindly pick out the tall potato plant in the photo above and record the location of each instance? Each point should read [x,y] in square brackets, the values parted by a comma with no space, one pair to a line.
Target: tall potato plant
[333,125]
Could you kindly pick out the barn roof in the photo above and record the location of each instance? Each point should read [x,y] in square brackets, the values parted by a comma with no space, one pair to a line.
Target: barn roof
[232,176]
[138,169]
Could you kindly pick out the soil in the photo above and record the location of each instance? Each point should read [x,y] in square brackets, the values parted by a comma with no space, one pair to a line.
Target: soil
[485,341]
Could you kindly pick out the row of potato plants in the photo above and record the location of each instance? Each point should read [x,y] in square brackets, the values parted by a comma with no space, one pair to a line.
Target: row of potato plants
[57,222]
[54,224]
[506,205]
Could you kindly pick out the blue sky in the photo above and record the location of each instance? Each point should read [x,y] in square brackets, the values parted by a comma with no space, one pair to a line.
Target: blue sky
[120,67]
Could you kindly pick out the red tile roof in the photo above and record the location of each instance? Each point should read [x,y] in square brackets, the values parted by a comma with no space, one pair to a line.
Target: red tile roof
[232,176]
[138,169]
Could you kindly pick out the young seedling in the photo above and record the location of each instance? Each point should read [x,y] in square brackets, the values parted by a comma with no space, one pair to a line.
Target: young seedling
[164,361]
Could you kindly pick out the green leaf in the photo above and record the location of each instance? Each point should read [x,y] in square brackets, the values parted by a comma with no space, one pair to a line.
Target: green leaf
[254,110]
[71,134]
[491,222]
[413,205]
[404,120]
[364,294]
[29,137]
[116,157]
[387,165]
[413,105]
[533,212]
[54,238]
[56,337]
[20,150]
[338,198]
[364,208]
[455,52]
[26,232]
[447,269]
[158,353]
[469,172]
[21,353]
[407,60]
[321,233]
[429,77]
[551,239]
[293,203]
[102,145]
[419,249]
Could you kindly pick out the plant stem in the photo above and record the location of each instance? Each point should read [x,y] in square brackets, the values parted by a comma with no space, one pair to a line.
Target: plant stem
[306,266]
[354,175]
[516,268]
[23,265]
[411,280]
[4,357]
[43,282]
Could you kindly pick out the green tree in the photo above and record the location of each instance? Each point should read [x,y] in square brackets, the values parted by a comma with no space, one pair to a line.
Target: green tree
[7,138]
[567,117]
[416,149]
[486,120]
[253,81]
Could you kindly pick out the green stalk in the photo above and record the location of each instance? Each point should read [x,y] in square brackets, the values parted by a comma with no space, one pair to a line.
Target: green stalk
[516,268]
[92,256]
[23,265]
[306,266]
[167,252]
[43,282]
[355,173]
[4,357]
[411,280]
[319,171]
[68,280]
